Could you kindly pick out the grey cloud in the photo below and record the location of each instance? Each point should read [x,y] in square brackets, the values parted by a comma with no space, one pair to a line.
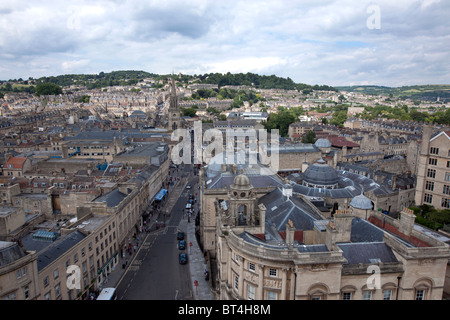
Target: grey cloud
[154,22]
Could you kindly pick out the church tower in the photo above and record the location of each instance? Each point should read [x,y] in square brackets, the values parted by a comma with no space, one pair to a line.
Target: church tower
[174,110]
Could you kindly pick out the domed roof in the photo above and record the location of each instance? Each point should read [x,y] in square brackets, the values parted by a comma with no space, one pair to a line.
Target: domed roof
[323,143]
[241,182]
[361,202]
[320,173]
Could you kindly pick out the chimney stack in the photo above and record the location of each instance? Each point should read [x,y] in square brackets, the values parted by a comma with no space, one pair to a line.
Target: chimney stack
[290,231]
[407,219]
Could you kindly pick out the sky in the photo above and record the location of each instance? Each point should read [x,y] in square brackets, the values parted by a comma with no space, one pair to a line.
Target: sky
[332,42]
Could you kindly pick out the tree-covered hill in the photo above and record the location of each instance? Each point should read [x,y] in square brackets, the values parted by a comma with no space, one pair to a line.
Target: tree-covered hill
[419,92]
[259,81]
[131,77]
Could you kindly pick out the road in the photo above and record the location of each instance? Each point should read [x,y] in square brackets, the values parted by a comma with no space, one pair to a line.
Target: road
[155,273]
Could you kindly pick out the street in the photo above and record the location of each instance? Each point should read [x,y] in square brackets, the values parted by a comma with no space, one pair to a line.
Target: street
[155,272]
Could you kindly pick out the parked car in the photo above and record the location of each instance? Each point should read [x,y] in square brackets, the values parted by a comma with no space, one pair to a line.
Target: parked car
[188,186]
[180,235]
[182,258]
[181,245]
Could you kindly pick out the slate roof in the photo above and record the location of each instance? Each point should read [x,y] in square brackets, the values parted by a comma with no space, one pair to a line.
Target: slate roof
[112,198]
[58,248]
[47,250]
[279,211]
[10,252]
[257,181]
[367,253]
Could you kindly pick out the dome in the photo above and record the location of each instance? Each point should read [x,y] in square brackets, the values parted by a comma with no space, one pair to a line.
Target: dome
[323,143]
[241,182]
[320,175]
[361,202]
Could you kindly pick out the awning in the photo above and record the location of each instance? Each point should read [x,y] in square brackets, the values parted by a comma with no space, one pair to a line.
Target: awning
[160,194]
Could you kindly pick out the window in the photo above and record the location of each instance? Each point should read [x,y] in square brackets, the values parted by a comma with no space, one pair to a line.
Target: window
[250,292]
[273,272]
[429,185]
[387,294]
[26,292]
[57,290]
[346,296]
[272,295]
[431,173]
[45,281]
[367,295]
[55,273]
[432,161]
[420,295]
[428,198]
[251,266]
[445,203]
[236,282]
[447,176]
[434,150]
[446,189]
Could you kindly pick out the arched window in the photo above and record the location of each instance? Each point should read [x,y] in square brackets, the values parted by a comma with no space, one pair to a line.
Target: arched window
[318,291]
[348,292]
[242,215]
[422,288]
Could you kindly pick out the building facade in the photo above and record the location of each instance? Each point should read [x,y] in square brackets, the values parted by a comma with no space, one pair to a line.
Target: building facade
[288,251]
[433,171]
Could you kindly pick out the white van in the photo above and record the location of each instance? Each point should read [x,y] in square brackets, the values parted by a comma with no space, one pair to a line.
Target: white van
[107,294]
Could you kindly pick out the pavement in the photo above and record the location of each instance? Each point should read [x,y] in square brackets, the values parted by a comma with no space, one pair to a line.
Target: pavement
[196,259]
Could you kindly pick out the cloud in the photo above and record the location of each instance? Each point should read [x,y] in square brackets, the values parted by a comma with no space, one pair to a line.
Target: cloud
[74,65]
[323,42]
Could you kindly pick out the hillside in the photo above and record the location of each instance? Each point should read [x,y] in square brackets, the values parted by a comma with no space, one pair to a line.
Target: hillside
[419,92]
[131,77]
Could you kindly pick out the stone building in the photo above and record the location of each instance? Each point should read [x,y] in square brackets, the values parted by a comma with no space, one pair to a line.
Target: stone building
[285,249]
[215,181]
[433,170]
[89,243]
[19,275]
[174,110]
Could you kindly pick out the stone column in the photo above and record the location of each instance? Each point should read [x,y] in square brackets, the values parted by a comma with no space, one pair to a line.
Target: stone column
[260,292]
[241,277]
[283,283]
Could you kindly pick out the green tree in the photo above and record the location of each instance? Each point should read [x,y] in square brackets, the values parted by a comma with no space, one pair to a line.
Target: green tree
[280,121]
[45,89]
[310,137]
[188,112]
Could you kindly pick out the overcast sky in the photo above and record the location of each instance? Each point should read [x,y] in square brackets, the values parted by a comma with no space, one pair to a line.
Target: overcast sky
[333,42]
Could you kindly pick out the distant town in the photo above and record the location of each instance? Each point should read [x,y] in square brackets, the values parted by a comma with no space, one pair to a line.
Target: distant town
[87,179]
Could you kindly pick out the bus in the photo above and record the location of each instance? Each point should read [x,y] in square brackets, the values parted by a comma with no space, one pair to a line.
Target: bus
[107,294]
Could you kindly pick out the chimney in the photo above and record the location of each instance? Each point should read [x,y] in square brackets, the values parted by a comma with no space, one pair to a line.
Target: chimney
[344,151]
[287,191]
[343,225]
[394,181]
[407,219]
[290,231]
[426,136]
